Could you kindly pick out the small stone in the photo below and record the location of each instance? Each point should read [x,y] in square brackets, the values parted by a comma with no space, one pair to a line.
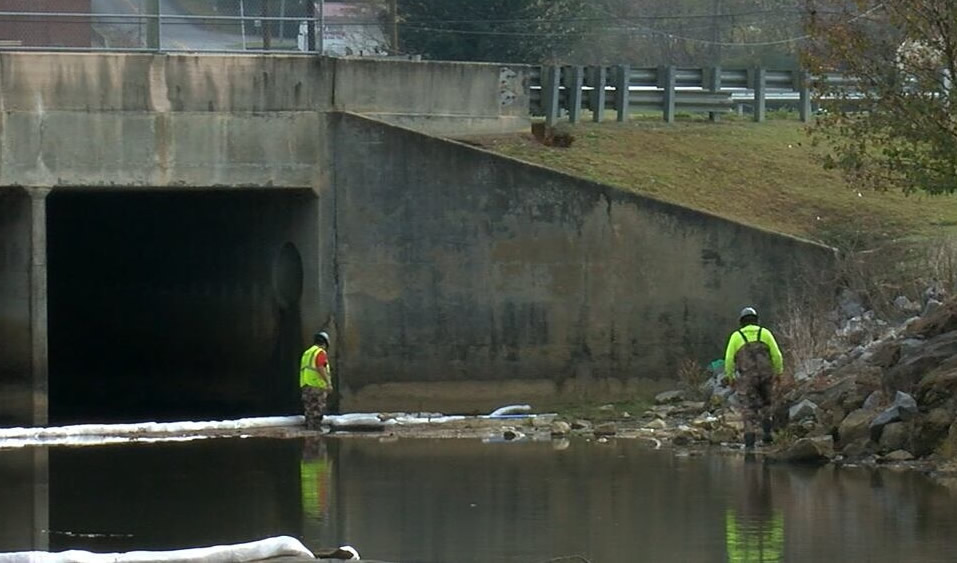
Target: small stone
[581,425]
[560,428]
[657,424]
[668,397]
[689,406]
[602,440]
[606,408]
[626,414]
[663,411]
[803,411]
[606,429]
[706,422]
[509,434]
[898,455]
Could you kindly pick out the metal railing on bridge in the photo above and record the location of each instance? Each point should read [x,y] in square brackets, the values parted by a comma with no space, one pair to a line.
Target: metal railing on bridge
[570,89]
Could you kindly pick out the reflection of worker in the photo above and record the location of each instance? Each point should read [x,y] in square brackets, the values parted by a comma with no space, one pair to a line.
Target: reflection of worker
[753,352]
[315,380]
[754,531]
[314,474]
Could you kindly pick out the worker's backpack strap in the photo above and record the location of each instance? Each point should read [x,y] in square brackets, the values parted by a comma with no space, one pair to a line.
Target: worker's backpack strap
[759,333]
[743,337]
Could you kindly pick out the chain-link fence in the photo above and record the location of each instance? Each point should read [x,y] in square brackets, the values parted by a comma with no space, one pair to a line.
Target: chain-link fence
[334,28]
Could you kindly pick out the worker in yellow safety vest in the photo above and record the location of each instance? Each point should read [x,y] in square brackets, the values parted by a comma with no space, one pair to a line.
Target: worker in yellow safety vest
[753,356]
[315,379]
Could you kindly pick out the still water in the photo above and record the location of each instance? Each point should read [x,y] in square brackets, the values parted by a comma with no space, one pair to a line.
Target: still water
[468,501]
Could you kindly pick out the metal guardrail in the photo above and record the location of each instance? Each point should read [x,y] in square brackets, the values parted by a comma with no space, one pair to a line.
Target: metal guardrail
[668,89]
[283,26]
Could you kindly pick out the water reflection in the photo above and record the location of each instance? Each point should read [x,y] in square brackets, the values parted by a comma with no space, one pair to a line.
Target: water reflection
[457,500]
[754,528]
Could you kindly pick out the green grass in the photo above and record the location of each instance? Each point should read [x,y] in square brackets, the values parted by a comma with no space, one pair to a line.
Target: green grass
[762,174]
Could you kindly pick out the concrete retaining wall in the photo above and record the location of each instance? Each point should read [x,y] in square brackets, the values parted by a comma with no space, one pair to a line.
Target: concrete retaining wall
[468,279]
[444,98]
[122,120]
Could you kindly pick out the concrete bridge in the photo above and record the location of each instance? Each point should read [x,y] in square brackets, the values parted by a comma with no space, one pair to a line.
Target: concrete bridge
[173,228]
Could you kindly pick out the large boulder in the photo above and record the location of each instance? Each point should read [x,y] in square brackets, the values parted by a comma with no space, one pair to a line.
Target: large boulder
[834,394]
[939,387]
[898,455]
[895,436]
[940,321]
[905,375]
[931,307]
[904,408]
[883,353]
[855,426]
[930,430]
[806,450]
[810,368]
[850,304]
[948,448]
[802,411]
[906,306]
[860,448]
[874,401]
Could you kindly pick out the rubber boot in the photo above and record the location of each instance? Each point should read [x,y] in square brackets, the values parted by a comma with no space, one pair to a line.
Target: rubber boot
[749,440]
[766,426]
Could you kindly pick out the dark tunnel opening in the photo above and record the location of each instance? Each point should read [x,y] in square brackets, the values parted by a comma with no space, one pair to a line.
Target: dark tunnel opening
[177,305]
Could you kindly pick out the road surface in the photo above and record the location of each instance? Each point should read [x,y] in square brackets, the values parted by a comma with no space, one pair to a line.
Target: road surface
[175,33]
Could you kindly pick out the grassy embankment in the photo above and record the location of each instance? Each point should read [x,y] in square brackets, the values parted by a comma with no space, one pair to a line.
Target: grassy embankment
[764,174]
[767,175]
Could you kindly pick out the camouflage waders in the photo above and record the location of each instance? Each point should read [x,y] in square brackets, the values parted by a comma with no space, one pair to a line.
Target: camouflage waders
[313,405]
[756,383]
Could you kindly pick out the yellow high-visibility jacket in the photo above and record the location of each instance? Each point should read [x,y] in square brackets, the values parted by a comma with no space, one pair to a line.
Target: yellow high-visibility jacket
[312,375]
[735,342]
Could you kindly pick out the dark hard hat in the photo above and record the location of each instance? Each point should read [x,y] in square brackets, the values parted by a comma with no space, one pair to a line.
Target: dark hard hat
[323,336]
[747,312]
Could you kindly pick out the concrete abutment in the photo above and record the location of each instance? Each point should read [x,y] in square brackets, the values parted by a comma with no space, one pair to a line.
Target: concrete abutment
[23,302]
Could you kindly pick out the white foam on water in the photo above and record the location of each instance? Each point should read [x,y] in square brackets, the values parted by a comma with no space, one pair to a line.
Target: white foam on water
[280,546]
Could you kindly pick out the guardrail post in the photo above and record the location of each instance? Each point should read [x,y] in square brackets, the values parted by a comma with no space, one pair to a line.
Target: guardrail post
[574,79]
[758,84]
[622,82]
[598,77]
[714,86]
[153,24]
[551,77]
[804,88]
[666,81]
